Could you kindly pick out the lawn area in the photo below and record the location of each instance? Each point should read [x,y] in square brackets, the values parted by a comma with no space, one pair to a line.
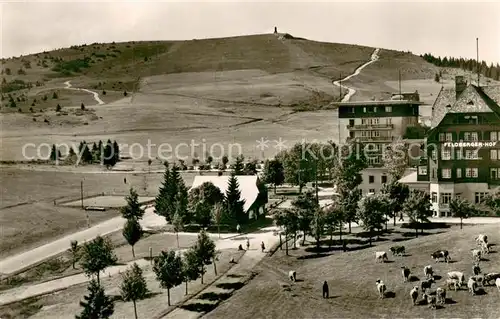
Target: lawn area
[66,303]
[351,277]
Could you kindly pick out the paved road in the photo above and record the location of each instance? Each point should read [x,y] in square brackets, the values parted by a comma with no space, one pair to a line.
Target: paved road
[231,241]
[26,259]
[374,57]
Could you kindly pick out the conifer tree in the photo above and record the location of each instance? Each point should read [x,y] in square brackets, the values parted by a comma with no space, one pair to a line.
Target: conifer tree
[239,166]
[96,305]
[132,232]
[133,209]
[233,203]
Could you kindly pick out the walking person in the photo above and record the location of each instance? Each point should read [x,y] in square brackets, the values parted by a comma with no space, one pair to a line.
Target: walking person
[238,228]
[401,219]
[344,246]
[326,291]
[262,246]
[248,244]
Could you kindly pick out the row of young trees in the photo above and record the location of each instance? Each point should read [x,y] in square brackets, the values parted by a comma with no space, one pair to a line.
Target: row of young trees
[491,71]
[108,154]
[171,269]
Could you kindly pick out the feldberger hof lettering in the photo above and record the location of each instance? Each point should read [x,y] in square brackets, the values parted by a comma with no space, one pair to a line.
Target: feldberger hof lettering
[470,144]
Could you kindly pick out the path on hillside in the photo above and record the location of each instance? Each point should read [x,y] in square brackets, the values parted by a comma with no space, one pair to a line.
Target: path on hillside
[230,241]
[32,257]
[352,91]
[95,94]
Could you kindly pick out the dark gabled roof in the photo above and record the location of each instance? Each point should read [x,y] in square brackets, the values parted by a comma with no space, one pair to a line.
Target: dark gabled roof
[472,100]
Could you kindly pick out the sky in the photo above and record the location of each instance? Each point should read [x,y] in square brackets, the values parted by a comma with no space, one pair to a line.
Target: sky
[442,28]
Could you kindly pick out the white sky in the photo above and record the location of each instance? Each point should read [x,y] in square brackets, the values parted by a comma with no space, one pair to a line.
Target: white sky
[443,28]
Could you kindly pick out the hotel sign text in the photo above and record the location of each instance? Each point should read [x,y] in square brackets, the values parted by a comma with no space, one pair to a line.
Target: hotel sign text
[470,144]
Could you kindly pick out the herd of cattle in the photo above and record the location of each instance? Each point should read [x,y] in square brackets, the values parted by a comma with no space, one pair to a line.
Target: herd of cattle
[455,280]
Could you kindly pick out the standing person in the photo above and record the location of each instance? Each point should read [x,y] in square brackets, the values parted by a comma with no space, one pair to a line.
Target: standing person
[124,180]
[238,228]
[326,292]
[401,219]
[248,244]
[262,246]
[344,246]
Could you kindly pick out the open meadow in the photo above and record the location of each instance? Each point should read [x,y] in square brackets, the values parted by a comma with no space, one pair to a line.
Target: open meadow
[29,217]
[351,278]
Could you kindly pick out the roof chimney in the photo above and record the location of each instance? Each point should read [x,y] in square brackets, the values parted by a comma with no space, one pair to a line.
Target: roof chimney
[460,85]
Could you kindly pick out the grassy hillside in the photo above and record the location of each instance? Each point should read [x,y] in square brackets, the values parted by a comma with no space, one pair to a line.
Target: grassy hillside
[117,66]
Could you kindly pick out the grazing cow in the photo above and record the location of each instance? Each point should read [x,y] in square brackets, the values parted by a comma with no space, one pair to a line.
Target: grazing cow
[489,277]
[381,288]
[381,256]
[478,279]
[497,283]
[414,295]
[476,254]
[428,271]
[453,283]
[406,273]
[485,248]
[292,274]
[458,276]
[441,296]
[472,286]
[441,254]
[398,250]
[431,300]
[476,270]
[481,239]
[426,284]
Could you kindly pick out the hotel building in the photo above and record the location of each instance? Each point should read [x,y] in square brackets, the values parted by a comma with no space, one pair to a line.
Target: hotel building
[463,153]
[377,123]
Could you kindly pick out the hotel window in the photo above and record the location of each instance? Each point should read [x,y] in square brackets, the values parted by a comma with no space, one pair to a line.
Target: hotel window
[434,170]
[441,137]
[459,154]
[434,197]
[449,137]
[350,110]
[445,198]
[478,197]
[446,173]
[494,154]
[459,173]
[371,190]
[388,121]
[434,154]
[467,136]
[422,170]
[374,160]
[494,136]
[375,133]
[375,121]
[471,172]
[474,136]
[384,179]
[494,173]
[371,179]
[388,109]
[471,154]
[445,154]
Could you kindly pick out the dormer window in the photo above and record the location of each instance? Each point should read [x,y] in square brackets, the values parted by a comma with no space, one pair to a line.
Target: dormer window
[470,103]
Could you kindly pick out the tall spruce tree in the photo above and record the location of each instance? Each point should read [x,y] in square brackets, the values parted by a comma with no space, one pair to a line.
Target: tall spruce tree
[96,305]
[233,202]
[133,210]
